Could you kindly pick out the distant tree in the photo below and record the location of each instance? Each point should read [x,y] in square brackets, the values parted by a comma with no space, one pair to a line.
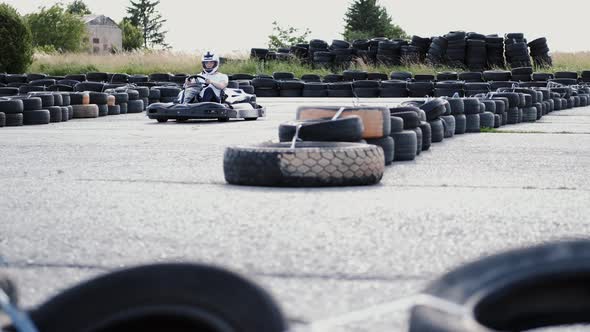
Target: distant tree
[132,36]
[366,19]
[78,7]
[143,14]
[285,37]
[57,28]
[16,52]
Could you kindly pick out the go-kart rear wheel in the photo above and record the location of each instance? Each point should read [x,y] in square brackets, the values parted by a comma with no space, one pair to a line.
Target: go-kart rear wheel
[162,120]
[224,119]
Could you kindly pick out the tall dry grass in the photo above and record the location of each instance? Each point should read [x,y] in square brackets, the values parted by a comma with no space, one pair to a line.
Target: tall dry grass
[177,62]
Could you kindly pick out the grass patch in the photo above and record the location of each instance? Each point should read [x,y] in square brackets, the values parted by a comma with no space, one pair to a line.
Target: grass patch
[147,62]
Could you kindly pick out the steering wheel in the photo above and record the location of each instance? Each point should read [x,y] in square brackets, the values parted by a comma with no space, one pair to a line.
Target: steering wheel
[197,76]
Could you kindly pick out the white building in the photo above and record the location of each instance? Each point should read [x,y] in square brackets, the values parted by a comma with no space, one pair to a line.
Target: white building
[103,33]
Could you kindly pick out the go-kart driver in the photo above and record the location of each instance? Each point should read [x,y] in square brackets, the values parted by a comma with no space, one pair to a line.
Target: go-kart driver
[215,82]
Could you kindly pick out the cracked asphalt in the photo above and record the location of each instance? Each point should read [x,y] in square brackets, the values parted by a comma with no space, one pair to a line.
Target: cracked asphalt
[81,198]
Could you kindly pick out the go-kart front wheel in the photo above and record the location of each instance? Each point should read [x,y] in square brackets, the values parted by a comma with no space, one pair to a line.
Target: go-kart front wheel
[161,120]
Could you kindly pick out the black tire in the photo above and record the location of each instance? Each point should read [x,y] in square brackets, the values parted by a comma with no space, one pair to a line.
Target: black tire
[434,108]
[224,119]
[315,93]
[114,109]
[388,146]
[134,94]
[2,119]
[529,114]
[14,120]
[54,113]
[471,106]
[65,114]
[278,165]
[135,106]
[411,119]
[426,135]
[162,120]
[472,124]
[497,120]
[460,124]
[89,86]
[437,128]
[98,98]
[449,125]
[397,124]
[162,297]
[419,138]
[165,91]
[122,97]
[486,120]
[513,115]
[505,289]
[123,107]
[406,145]
[11,106]
[39,117]
[349,129]
[70,112]
[457,105]
[103,110]
[292,93]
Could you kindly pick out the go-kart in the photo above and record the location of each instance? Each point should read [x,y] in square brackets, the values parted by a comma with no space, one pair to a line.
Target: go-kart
[235,104]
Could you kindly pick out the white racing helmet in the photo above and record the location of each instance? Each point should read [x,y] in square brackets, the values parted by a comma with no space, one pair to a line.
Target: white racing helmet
[207,57]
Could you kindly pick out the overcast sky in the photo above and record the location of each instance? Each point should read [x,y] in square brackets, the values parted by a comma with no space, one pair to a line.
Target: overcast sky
[239,25]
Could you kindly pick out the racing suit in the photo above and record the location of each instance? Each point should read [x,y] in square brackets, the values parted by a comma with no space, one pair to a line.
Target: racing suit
[210,93]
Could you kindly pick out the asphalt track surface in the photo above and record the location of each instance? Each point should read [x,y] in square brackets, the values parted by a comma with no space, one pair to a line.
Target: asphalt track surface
[81,198]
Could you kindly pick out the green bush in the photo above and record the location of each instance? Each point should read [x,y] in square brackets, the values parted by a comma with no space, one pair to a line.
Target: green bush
[56,27]
[16,51]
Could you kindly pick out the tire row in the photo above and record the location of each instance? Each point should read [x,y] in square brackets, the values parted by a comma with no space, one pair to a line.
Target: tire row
[457,48]
[349,146]
[38,108]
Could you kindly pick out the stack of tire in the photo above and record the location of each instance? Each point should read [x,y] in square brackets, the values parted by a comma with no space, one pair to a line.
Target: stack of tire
[514,110]
[517,52]
[565,78]
[361,50]
[437,51]
[457,106]
[54,103]
[495,51]
[476,56]
[448,88]
[522,74]
[11,112]
[389,53]
[320,54]
[135,102]
[394,89]
[423,45]
[455,52]
[540,53]
[410,55]
[289,86]
[164,94]
[259,53]
[265,87]
[342,53]
[82,107]
[326,151]
[406,130]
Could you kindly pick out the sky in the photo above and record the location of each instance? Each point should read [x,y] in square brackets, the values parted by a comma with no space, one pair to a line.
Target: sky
[237,25]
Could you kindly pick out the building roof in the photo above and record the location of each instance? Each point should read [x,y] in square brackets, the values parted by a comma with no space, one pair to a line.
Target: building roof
[99,20]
